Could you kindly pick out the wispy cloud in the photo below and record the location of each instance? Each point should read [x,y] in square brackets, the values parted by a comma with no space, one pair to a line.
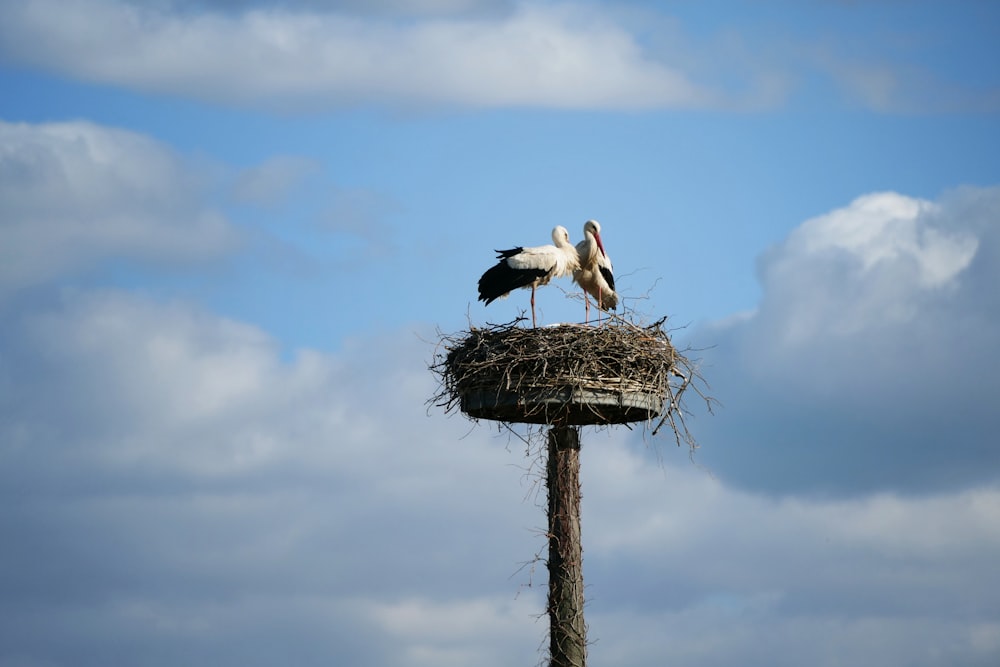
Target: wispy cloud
[540,55]
[271,182]
[73,194]
[315,57]
[888,86]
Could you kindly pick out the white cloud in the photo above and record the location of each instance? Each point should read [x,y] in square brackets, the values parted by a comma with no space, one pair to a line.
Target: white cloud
[189,392]
[72,194]
[168,468]
[360,7]
[549,55]
[870,356]
[317,56]
[866,264]
[682,568]
[713,635]
[165,470]
[272,181]
[883,227]
[893,83]
[473,631]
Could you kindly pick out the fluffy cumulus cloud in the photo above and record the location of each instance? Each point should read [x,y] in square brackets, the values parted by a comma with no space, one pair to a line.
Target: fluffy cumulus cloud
[869,362]
[176,492]
[564,56]
[168,478]
[685,569]
[75,193]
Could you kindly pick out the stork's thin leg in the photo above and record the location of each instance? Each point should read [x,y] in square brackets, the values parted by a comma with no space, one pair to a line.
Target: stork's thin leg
[533,306]
[586,319]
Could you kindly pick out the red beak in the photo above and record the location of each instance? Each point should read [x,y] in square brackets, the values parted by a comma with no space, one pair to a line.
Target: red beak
[597,237]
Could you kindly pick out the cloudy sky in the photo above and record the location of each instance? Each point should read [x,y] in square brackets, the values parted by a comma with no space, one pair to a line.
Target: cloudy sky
[231,231]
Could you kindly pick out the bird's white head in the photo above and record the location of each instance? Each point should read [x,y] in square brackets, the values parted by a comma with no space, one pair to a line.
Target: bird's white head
[560,235]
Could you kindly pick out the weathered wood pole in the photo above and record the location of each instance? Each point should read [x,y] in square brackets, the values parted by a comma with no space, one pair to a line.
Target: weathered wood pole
[567,630]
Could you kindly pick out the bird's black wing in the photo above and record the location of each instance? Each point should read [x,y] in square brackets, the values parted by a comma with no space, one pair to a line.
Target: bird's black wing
[609,277]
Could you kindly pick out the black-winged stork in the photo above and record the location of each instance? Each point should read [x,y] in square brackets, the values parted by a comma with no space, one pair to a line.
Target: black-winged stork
[529,267]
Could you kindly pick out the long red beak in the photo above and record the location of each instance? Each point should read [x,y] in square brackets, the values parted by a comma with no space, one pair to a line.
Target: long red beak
[597,237]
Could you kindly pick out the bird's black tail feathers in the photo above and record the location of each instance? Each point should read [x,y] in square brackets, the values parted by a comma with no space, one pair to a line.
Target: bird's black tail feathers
[500,279]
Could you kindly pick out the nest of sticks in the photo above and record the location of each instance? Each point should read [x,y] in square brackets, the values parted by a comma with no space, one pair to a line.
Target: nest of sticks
[567,374]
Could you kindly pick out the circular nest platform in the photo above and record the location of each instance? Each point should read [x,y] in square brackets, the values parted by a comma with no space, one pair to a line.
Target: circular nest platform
[566,374]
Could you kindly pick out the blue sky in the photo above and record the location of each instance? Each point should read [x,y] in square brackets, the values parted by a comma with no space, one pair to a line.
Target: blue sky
[229,232]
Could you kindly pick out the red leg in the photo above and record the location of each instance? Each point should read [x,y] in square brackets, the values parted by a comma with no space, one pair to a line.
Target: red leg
[533,306]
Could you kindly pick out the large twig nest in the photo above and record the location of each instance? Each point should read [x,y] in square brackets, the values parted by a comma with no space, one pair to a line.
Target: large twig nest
[565,374]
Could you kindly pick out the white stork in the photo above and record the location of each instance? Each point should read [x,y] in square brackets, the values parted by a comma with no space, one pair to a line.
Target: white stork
[595,274]
[529,267]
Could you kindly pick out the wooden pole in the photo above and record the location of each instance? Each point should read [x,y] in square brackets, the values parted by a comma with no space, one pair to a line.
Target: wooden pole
[567,630]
